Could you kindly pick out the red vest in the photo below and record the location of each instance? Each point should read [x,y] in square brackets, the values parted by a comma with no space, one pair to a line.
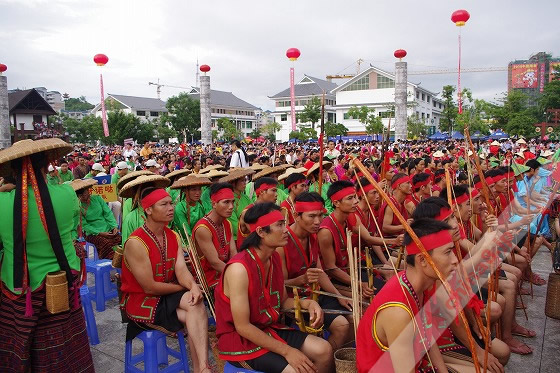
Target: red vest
[138,305]
[297,258]
[400,208]
[221,244]
[265,294]
[338,232]
[369,350]
[288,206]
[240,235]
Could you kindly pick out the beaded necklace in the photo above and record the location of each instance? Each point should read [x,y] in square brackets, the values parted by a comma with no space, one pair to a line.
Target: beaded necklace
[220,229]
[161,247]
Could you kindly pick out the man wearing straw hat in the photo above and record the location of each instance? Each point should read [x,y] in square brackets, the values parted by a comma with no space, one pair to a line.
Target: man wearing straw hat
[174,176]
[212,234]
[238,180]
[214,173]
[313,176]
[127,202]
[158,289]
[189,209]
[269,172]
[37,224]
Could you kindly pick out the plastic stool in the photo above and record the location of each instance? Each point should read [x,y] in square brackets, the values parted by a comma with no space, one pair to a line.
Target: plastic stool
[103,289]
[91,325]
[155,353]
[228,368]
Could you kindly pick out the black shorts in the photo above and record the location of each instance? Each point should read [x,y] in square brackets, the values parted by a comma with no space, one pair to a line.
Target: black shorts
[329,303]
[271,362]
[378,281]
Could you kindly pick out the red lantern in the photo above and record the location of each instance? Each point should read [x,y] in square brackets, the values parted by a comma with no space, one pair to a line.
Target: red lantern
[100,59]
[460,17]
[3,68]
[293,54]
[204,68]
[400,53]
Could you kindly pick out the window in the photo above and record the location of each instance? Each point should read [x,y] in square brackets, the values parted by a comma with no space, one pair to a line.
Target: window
[141,113]
[387,114]
[249,124]
[417,94]
[359,85]
[440,105]
[154,113]
[384,82]
[423,115]
[435,103]
[423,96]
[428,116]
[283,117]
[428,98]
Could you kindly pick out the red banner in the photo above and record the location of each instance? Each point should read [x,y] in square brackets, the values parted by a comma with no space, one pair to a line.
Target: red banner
[541,77]
[524,75]
[103,111]
[554,67]
[292,98]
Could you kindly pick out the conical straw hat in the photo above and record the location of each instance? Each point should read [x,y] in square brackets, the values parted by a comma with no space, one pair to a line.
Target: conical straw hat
[190,180]
[53,149]
[157,181]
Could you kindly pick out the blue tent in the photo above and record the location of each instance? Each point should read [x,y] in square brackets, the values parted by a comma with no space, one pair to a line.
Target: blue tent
[499,134]
[457,135]
[478,136]
[438,136]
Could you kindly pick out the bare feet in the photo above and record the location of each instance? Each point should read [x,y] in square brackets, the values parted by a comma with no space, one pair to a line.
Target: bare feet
[518,347]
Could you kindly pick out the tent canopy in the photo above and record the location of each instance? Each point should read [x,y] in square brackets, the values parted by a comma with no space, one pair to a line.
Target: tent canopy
[457,135]
[499,134]
[438,136]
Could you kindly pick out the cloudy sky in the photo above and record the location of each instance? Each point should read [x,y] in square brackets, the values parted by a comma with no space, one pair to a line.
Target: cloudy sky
[52,43]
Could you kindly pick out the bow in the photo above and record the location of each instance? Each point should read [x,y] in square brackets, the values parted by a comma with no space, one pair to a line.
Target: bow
[298,313]
[429,260]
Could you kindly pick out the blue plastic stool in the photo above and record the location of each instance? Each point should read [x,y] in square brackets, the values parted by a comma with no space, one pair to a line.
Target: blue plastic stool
[103,289]
[228,368]
[155,353]
[91,325]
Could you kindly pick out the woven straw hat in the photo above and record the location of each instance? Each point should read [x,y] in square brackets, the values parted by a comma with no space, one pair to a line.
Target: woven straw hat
[191,180]
[131,176]
[315,167]
[129,190]
[177,174]
[80,184]
[258,166]
[210,168]
[52,149]
[268,171]
[547,153]
[214,173]
[291,170]
[237,173]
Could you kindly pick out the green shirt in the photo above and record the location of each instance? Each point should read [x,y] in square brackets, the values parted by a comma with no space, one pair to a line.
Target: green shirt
[187,215]
[115,178]
[134,220]
[205,199]
[66,176]
[53,180]
[97,217]
[40,255]
[314,187]
[241,201]
[127,207]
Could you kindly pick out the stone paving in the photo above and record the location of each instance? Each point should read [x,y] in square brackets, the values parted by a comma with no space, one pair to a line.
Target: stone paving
[109,354]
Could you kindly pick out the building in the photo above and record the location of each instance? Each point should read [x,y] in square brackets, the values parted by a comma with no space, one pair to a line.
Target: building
[375,89]
[145,108]
[79,115]
[304,90]
[531,76]
[227,105]
[29,113]
[54,98]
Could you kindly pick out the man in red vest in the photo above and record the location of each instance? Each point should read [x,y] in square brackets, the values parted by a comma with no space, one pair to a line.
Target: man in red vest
[158,289]
[295,184]
[390,225]
[212,234]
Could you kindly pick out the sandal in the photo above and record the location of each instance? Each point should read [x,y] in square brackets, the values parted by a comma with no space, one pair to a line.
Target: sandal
[520,331]
[524,292]
[538,280]
[521,349]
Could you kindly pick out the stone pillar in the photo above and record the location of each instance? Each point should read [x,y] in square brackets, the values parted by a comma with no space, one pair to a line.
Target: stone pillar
[205,111]
[400,100]
[5,136]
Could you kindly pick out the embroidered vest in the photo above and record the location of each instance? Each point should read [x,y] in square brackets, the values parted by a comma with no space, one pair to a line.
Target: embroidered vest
[297,258]
[400,208]
[339,239]
[288,209]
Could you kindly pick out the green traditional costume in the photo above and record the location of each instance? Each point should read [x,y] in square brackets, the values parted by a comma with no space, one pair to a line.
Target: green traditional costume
[188,215]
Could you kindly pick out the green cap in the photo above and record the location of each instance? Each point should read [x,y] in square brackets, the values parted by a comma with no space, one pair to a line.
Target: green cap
[544,161]
[519,169]
[494,164]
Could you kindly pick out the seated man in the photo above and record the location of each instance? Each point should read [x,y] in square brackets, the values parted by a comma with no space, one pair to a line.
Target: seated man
[390,225]
[188,208]
[98,223]
[249,298]
[158,289]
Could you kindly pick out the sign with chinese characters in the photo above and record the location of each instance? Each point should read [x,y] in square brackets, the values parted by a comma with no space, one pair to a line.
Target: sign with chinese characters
[105,189]
[524,75]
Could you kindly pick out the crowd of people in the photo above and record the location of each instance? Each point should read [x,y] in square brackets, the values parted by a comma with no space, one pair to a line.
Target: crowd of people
[445,233]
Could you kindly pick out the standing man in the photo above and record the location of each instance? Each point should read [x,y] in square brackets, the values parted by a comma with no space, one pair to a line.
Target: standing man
[129,153]
[158,289]
[120,171]
[82,169]
[146,150]
[238,155]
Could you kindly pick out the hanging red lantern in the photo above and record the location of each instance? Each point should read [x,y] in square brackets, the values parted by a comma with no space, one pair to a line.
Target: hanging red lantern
[100,59]
[293,54]
[204,68]
[400,53]
[460,17]
[3,68]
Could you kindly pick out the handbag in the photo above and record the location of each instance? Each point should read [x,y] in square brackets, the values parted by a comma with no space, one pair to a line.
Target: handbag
[56,288]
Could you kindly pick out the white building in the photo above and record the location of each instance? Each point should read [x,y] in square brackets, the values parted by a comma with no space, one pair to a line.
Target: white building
[29,113]
[145,108]
[307,88]
[375,89]
[53,98]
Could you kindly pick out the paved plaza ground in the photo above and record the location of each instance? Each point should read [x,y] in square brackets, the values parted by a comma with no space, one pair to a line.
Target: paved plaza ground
[109,354]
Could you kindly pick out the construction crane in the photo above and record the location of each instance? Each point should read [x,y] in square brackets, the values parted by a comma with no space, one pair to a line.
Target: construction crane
[158,87]
[346,76]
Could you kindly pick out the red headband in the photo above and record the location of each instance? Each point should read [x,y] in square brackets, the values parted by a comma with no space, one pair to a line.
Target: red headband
[474,193]
[264,187]
[404,179]
[430,242]
[366,189]
[343,193]
[295,183]
[309,206]
[461,199]
[224,193]
[489,181]
[266,220]
[421,183]
[153,197]
[444,213]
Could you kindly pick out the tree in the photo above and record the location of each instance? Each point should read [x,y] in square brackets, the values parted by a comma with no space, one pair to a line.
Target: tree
[229,129]
[77,104]
[86,131]
[164,131]
[416,127]
[256,132]
[311,112]
[367,117]
[305,133]
[475,114]
[127,125]
[514,115]
[183,115]
[270,129]
[449,113]
[550,98]
[335,129]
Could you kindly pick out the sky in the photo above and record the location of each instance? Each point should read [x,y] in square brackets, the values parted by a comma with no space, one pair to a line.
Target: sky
[52,43]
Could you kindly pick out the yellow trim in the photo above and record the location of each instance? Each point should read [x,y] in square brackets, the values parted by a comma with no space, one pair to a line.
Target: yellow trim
[381,308]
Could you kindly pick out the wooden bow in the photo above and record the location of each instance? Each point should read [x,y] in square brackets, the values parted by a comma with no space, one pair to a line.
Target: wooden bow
[427,257]
[300,321]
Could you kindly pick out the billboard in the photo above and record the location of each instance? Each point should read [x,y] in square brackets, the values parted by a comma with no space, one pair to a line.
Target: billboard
[524,75]
[554,66]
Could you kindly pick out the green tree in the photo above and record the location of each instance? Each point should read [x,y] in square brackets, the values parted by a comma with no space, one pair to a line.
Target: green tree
[183,115]
[256,132]
[335,129]
[311,112]
[416,127]
[475,114]
[127,125]
[270,130]
[214,135]
[366,116]
[229,129]
[77,104]
[164,131]
[449,113]
[514,115]
[550,98]
[86,131]
[305,133]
